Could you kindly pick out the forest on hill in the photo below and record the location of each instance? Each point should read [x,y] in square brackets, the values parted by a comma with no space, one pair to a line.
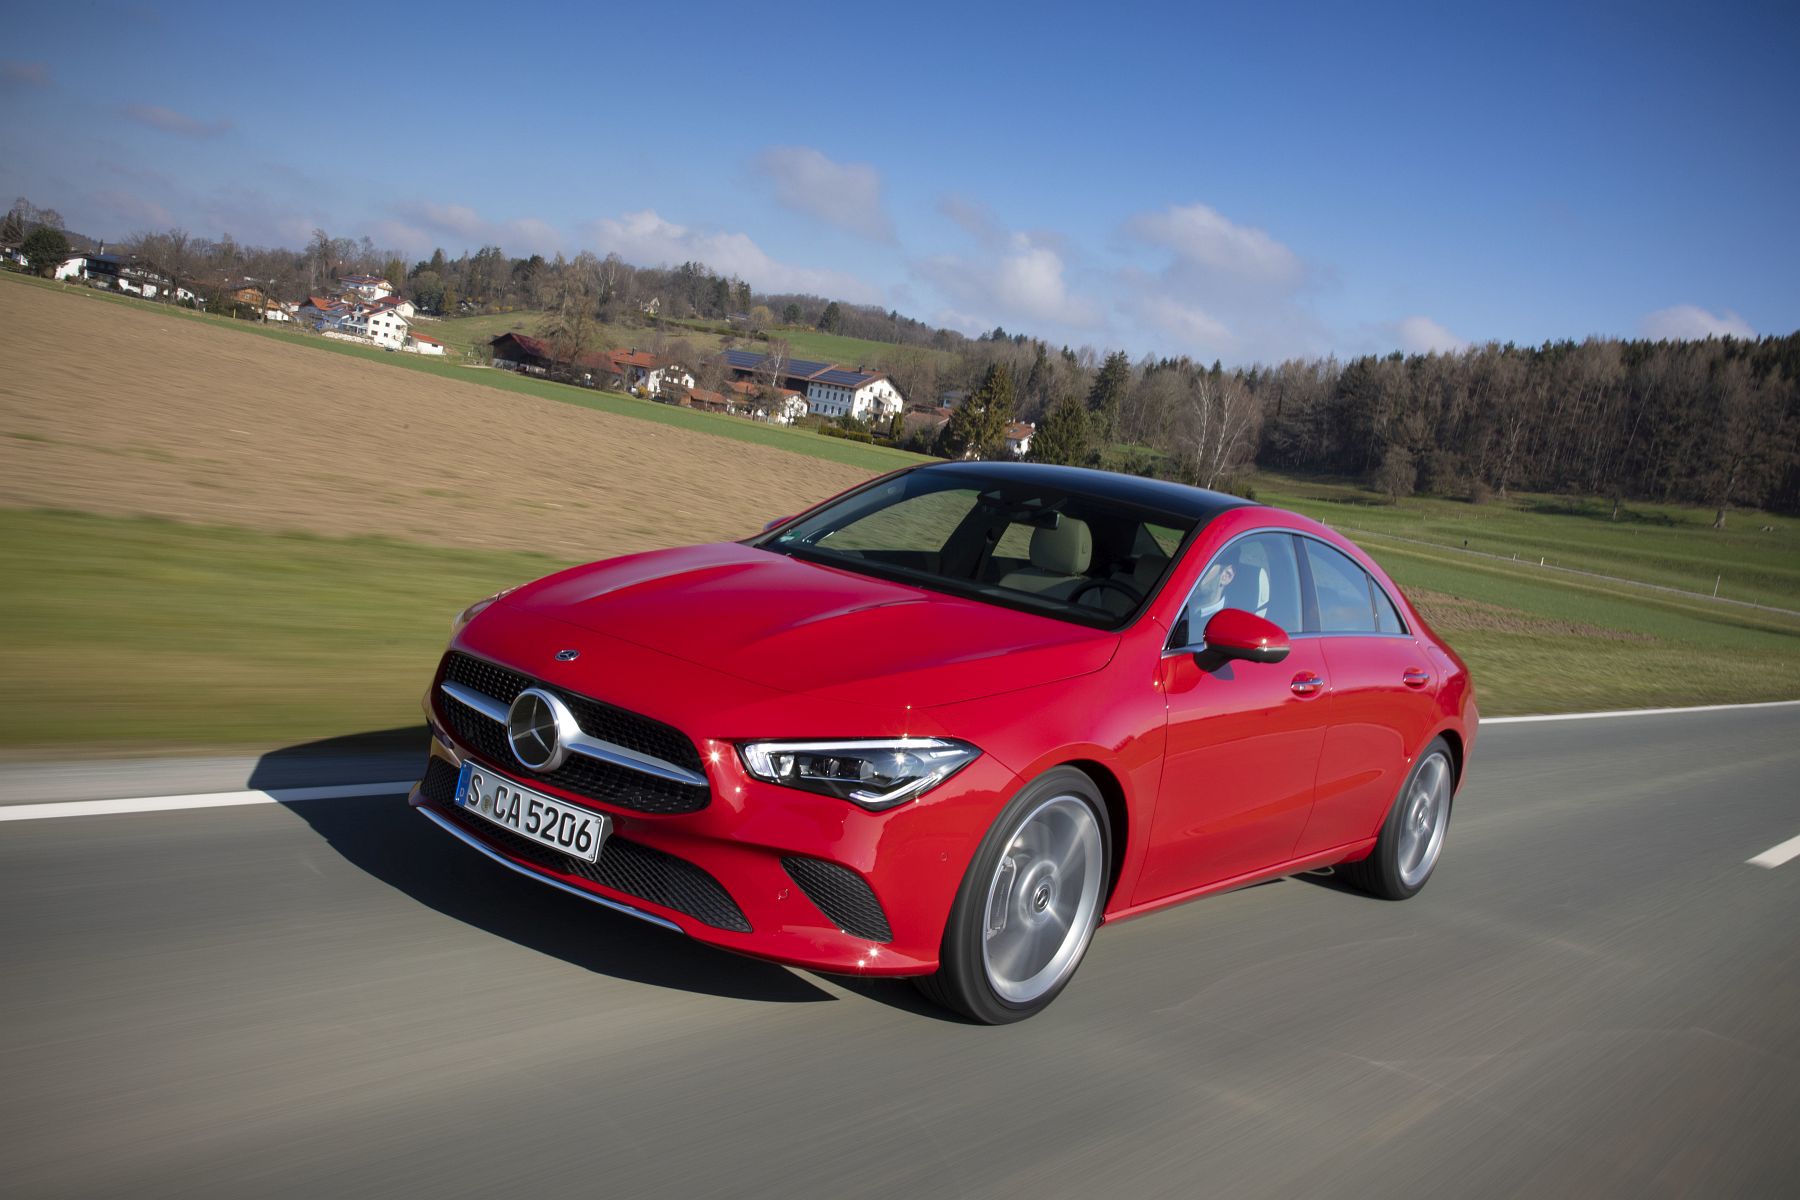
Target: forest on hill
[1713,422]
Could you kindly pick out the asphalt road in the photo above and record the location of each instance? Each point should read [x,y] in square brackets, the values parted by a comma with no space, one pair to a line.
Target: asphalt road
[1595,996]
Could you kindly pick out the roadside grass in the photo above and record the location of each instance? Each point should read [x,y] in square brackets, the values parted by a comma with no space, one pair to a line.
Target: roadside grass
[136,635]
[1756,557]
[800,441]
[142,634]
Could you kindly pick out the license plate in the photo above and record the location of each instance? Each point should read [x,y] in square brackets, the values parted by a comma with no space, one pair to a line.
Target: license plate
[564,828]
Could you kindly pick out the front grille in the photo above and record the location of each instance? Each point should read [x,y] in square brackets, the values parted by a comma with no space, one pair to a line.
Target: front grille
[625,866]
[603,781]
[842,895]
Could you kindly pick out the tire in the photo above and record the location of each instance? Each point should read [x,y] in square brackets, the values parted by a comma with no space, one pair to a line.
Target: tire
[1412,836]
[1029,903]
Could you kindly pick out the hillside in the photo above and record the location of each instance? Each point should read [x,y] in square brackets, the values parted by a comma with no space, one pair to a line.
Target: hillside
[194,421]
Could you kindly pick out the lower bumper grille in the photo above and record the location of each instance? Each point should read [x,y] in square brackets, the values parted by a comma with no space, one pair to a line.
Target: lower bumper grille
[625,866]
[842,895]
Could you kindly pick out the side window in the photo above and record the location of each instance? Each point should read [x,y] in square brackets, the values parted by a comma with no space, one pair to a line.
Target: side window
[1257,574]
[1343,589]
[1387,617]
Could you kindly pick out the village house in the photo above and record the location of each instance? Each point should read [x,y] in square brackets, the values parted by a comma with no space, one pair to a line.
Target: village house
[649,374]
[383,326]
[616,370]
[707,401]
[830,390]
[123,272]
[925,423]
[254,298]
[367,288]
[1018,438]
[418,343]
[782,406]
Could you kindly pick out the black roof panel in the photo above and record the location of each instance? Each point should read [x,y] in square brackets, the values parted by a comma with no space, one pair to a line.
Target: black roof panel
[1197,504]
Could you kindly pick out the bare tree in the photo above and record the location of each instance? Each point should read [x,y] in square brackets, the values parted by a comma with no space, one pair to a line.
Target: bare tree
[1215,428]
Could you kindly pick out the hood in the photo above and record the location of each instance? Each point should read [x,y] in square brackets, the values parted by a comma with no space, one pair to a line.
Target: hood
[799,627]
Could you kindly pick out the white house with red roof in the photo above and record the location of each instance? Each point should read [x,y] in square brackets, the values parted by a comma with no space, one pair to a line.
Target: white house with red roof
[1018,438]
[831,390]
[650,373]
[383,326]
[368,288]
[418,343]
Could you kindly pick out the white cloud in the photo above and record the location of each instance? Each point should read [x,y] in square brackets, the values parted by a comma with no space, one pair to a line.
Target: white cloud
[1690,322]
[170,121]
[1221,289]
[427,226]
[1422,335]
[134,212]
[451,218]
[1024,280]
[1194,329]
[646,239]
[975,218]
[847,195]
[1201,237]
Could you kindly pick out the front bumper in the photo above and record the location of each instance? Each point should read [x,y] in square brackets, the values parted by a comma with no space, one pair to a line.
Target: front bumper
[797,878]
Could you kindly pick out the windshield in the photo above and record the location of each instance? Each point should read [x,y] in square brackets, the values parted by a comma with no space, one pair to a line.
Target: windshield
[1063,554]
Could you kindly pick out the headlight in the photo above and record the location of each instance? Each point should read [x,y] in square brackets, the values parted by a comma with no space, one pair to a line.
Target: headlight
[461,620]
[875,773]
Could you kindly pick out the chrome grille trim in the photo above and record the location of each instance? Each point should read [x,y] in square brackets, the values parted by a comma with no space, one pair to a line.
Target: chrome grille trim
[590,747]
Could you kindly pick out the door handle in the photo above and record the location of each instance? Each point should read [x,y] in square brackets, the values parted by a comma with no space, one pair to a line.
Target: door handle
[1307,683]
[1413,677]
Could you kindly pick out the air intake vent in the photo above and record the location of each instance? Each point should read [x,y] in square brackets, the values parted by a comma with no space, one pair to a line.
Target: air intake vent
[842,895]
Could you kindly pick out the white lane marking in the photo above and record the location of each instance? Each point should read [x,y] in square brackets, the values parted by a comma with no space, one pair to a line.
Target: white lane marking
[143,804]
[1635,712]
[1774,856]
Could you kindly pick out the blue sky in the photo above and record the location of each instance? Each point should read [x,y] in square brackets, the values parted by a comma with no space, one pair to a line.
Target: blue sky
[1247,182]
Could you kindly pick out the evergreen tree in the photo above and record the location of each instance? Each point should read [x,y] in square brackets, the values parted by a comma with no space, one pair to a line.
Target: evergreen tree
[832,319]
[1063,439]
[978,428]
[790,315]
[45,249]
[1037,383]
[1109,389]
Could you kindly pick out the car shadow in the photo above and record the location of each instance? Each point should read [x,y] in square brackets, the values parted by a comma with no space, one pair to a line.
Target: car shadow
[385,838]
[1327,878]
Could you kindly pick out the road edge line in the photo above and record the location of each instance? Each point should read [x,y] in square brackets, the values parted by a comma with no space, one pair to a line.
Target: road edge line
[143,804]
[1635,712]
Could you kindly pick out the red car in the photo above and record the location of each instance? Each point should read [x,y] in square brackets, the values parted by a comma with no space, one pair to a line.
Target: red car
[948,722]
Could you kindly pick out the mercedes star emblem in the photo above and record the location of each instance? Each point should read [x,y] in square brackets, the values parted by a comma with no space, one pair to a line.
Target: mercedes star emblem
[539,728]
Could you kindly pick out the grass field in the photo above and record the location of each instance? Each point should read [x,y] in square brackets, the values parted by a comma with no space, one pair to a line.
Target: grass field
[801,441]
[463,334]
[228,629]
[1756,557]
[172,636]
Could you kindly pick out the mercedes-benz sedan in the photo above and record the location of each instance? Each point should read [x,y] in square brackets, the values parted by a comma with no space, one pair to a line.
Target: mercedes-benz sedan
[947,724]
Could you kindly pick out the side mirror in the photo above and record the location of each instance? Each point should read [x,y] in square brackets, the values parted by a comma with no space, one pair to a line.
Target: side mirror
[1234,633]
[775,522]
